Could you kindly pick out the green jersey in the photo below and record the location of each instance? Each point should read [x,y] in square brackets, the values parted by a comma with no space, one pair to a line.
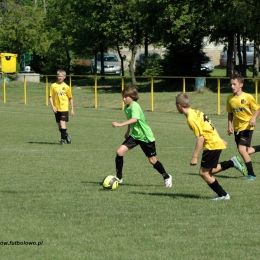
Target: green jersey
[140,130]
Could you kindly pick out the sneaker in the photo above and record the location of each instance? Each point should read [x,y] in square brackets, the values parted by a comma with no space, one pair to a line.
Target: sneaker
[120,181]
[62,142]
[250,178]
[68,139]
[227,197]
[168,182]
[239,164]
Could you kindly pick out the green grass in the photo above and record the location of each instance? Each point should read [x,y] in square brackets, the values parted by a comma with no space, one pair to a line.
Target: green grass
[52,194]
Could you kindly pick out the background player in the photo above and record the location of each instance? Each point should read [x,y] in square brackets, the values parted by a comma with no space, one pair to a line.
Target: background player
[60,98]
[241,121]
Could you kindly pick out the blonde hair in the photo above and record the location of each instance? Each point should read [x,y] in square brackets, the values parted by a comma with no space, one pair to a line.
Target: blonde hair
[63,72]
[183,100]
[131,92]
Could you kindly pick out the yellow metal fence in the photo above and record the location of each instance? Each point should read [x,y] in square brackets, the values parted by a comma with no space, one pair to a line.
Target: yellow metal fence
[151,79]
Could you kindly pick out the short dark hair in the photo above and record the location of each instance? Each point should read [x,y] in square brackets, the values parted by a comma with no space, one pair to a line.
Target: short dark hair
[131,91]
[237,75]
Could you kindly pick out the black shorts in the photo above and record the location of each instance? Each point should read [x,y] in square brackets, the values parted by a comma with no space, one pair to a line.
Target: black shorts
[62,116]
[210,158]
[244,137]
[148,148]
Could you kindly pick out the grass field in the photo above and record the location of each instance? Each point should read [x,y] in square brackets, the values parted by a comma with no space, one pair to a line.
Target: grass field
[51,194]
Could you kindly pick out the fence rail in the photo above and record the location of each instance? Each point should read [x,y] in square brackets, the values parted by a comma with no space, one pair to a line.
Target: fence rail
[151,79]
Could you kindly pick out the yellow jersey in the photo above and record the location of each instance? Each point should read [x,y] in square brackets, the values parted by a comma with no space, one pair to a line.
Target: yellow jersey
[200,124]
[60,93]
[241,107]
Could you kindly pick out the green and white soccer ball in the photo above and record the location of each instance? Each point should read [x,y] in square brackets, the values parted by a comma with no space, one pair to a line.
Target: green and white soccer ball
[110,182]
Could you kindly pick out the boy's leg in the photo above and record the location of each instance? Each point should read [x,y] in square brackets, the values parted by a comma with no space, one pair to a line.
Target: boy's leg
[243,141]
[159,167]
[119,161]
[205,173]
[243,150]
[235,162]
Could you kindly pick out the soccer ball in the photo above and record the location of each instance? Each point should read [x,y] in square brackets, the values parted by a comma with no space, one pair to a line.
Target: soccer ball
[110,182]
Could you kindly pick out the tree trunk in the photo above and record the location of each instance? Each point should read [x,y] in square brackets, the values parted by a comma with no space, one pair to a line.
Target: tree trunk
[243,72]
[256,59]
[230,52]
[121,58]
[133,50]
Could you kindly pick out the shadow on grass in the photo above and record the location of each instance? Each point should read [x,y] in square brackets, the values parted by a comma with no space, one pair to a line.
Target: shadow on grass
[173,195]
[219,176]
[122,184]
[43,143]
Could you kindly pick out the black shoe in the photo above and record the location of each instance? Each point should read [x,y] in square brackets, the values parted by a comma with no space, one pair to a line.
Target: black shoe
[68,139]
[62,142]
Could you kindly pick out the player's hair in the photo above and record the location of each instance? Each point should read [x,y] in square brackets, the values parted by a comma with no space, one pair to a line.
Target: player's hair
[63,72]
[183,99]
[237,75]
[131,91]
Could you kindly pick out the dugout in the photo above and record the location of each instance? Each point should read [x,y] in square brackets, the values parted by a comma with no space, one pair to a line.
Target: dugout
[8,62]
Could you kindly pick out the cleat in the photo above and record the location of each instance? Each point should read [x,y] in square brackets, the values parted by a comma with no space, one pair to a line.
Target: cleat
[227,197]
[168,182]
[239,164]
[251,178]
[68,139]
[120,181]
[62,142]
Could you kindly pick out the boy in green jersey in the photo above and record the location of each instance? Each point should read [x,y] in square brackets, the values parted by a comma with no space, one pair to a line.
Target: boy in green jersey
[242,120]
[138,133]
[60,97]
[209,140]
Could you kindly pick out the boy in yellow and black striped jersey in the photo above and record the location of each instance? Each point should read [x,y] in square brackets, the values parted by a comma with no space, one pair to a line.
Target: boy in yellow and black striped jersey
[209,140]
[60,98]
[241,121]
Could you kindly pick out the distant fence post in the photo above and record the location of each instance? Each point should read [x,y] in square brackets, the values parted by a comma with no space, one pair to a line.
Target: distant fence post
[152,94]
[24,88]
[184,85]
[122,88]
[4,90]
[218,96]
[256,90]
[95,90]
[47,91]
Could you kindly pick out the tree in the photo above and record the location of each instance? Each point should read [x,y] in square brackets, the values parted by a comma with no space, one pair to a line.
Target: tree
[22,30]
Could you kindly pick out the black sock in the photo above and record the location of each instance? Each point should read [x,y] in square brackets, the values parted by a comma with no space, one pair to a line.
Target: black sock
[257,148]
[63,133]
[159,167]
[226,165]
[249,168]
[217,188]
[119,166]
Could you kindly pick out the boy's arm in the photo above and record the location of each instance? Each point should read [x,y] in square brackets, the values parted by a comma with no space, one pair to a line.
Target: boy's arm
[252,121]
[230,124]
[198,147]
[54,109]
[128,122]
[72,106]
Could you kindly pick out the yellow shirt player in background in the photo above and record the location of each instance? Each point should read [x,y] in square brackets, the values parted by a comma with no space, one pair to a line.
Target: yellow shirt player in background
[209,140]
[242,120]
[60,99]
